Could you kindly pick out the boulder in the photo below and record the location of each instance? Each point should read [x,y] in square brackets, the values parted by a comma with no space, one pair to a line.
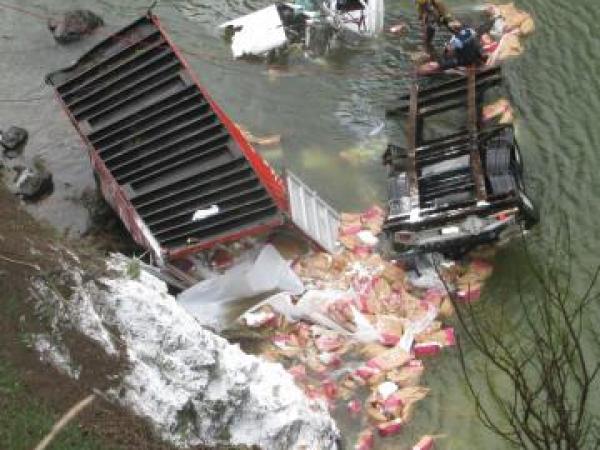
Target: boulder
[74,25]
[32,183]
[13,141]
[193,387]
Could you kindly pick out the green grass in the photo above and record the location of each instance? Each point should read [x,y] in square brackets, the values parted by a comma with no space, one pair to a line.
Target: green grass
[12,308]
[24,421]
[134,268]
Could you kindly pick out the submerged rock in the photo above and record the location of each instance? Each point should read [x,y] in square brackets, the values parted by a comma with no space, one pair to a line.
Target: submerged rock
[32,183]
[13,141]
[193,386]
[73,25]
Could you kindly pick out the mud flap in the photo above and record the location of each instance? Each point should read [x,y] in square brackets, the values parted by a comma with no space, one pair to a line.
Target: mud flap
[529,210]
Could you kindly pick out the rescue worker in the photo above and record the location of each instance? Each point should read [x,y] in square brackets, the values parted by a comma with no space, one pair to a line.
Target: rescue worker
[432,13]
[463,49]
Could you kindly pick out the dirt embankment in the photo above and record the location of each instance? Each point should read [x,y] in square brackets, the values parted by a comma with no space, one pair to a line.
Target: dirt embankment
[28,250]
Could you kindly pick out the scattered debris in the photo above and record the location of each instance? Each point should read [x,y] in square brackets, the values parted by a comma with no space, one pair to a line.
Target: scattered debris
[309,24]
[202,214]
[508,18]
[366,441]
[499,111]
[508,25]
[426,443]
[399,28]
[265,141]
[259,32]
[74,25]
[355,339]
[65,420]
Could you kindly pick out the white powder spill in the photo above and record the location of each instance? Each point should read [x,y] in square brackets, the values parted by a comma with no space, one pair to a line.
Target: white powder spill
[192,385]
[55,354]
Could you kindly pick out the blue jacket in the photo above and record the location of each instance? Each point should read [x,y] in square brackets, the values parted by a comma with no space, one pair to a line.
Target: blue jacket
[463,39]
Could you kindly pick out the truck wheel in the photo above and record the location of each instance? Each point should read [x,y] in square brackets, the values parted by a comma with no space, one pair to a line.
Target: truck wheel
[497,160]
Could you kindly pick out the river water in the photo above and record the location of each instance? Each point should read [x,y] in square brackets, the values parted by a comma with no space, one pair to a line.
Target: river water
[324,107]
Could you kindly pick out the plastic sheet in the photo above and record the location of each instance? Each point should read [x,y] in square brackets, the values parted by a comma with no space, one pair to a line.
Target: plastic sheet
[270,272]
[417,327]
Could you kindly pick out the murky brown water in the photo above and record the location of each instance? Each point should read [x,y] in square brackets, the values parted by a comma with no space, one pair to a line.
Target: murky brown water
[325,107]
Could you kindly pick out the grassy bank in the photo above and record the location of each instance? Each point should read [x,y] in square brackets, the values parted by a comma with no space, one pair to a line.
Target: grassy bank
[25,420]
[33,395]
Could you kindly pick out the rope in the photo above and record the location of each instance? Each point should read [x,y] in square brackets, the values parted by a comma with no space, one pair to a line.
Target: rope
[21,263]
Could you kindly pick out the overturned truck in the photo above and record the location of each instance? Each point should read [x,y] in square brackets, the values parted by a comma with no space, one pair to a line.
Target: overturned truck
[312,24]
[175,168]
[183,178]
[452,192]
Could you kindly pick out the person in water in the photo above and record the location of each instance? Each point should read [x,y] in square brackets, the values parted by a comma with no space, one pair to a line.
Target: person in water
[463,49]
[432,13]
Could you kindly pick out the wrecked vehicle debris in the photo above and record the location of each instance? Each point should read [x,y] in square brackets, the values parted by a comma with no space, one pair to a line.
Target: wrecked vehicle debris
[164,150]
[309,23]
[353,330]
[453,192]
